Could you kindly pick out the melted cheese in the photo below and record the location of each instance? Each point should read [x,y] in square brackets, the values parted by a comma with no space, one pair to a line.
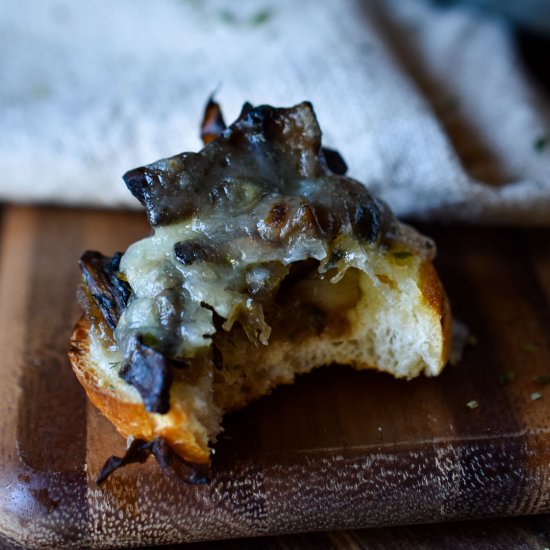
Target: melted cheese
[152,268]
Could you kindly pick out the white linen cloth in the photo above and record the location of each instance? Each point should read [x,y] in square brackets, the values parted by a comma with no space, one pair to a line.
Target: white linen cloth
[430,106]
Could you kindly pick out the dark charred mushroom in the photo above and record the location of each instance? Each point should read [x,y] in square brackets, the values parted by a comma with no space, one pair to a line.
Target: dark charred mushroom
[105,286]
[287,217]
[189,252]
[150,373]
[140,450]
[273,149]
[213,124]
[273,146]
[335,161]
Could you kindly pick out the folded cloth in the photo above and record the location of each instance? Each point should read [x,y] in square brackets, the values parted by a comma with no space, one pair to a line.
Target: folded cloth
[430,106]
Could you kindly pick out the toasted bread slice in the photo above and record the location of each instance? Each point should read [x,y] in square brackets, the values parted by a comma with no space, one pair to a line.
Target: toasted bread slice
[401,325]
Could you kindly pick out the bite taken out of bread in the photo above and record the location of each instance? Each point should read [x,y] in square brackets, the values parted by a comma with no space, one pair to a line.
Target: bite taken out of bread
[265,262]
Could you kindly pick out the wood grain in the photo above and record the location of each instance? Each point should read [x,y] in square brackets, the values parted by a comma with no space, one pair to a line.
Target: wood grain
[337,450]
[525,533]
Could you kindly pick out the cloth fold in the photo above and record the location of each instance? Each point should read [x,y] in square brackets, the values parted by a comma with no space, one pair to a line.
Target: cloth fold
[430,106]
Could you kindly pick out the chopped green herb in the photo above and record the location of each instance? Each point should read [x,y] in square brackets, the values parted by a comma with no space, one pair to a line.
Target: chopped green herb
[535,396]
[40,91]
[256,19]
[529,347]
[402,254]
[542,379]
[227,17]
[541,143]
[230,261]
[508,376]
[149,339]
[473,404]
[260,17]
[115,364]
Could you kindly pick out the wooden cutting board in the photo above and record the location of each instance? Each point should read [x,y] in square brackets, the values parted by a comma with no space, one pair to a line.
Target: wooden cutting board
[339,449]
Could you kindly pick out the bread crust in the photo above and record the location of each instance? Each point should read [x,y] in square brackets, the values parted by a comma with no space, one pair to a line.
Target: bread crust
[132,419]
[435,297]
